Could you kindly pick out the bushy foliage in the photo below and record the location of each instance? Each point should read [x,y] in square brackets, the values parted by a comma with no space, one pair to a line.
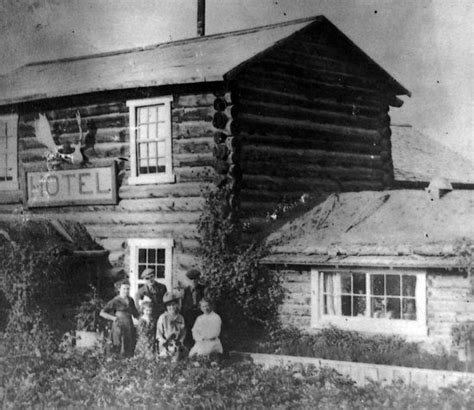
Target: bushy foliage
[85,380]
[246,293]
[336,344]
[41,282]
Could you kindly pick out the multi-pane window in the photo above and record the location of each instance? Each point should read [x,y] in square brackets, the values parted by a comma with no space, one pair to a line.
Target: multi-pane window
[150,139]
[8,152]
[155,254]
[379,295]
[373,300]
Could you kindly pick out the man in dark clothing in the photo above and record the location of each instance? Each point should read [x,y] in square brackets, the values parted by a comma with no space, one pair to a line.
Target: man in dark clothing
[190,304]
[154,291]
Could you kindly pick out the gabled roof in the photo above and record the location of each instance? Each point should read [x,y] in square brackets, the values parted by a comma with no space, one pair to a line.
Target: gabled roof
[419,158]
[202,59]
[392,228]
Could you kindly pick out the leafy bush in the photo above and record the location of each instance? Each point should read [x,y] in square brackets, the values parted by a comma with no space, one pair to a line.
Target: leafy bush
[246,294]
[336,344]
[86,380]
[41,282]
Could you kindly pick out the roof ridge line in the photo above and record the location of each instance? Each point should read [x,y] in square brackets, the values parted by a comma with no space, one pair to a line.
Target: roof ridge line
[174,42]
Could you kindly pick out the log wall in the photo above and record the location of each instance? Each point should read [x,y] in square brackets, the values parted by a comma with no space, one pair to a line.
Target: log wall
[311,121]
[142,211]
[448,302]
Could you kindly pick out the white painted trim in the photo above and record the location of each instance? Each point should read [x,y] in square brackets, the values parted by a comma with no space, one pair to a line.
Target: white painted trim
[168,176]
[161,243]
[366,324]
[12,121]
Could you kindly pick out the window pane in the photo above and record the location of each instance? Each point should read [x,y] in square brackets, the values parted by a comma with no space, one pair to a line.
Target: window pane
[377,284]
[346,283]
[359,306]
[153,114]
[393,285]
[161,148]
[378,307]
[142,256]
[160,256]
[160,271]
[409,309]
[393,308]
[151,255]
[346,306]
[142,115]
[142,132]
[153,131]
[409,285]
[359,283]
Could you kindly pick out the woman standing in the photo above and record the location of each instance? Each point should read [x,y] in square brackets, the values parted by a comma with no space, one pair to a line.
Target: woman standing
[170,329]
[206,331]
[120,310]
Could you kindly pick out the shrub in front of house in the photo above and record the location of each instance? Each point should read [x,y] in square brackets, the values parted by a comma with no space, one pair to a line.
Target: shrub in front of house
[336,344]
[247,295]
[89,380]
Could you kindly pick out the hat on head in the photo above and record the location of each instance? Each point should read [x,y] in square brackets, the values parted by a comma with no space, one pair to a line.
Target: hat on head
[193,274]
[171,297]
[148,274]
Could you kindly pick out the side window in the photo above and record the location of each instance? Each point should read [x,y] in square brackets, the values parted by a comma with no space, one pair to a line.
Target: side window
[390,302]
[150,141]
[155,254]
[8,152]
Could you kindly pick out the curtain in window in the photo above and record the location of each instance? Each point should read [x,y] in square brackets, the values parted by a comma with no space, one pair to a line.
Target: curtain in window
[332,293]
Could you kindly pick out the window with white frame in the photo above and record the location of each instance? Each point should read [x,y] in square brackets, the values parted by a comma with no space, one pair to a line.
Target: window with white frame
[150,141]
[156,254]
[370,300]
[8,152]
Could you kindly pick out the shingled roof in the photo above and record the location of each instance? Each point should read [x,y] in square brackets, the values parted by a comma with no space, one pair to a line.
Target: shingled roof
[202,59]
[393,228]
[418,157]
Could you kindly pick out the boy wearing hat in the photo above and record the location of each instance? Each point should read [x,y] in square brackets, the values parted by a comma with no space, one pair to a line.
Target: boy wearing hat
[154,291]
[190,305]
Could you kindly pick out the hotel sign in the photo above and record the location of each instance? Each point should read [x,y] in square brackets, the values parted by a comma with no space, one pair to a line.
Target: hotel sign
[83,186]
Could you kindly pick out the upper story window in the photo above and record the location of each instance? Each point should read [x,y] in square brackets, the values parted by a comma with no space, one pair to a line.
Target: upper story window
[8,152]
[150,141]
[370,300]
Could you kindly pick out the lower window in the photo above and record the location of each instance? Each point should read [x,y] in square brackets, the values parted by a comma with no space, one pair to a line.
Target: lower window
[155,254]
[370,300]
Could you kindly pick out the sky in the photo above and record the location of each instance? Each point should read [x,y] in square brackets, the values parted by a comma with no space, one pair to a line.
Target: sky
[425,44]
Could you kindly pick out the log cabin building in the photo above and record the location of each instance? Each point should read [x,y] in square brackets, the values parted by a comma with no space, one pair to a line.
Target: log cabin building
[394,262]
[272,112]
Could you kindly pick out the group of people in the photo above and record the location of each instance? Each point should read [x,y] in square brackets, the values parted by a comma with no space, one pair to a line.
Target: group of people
[170,323]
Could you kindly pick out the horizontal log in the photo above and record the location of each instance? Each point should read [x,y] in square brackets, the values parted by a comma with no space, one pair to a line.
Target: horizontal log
[320,116]
[114,134]
[315,142]
[195,100]
[189,189]
[193,160]
[85,111]
[192,129]
[261,93]
[126,218]
[143,231]
[10,197]
[194,174]
[333,65]
[299,69]
[313,88]
[40,165]
[189,246]
[308,185]
[307,170]
[193,145]
[192,114]
[253,123]
[319,157]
